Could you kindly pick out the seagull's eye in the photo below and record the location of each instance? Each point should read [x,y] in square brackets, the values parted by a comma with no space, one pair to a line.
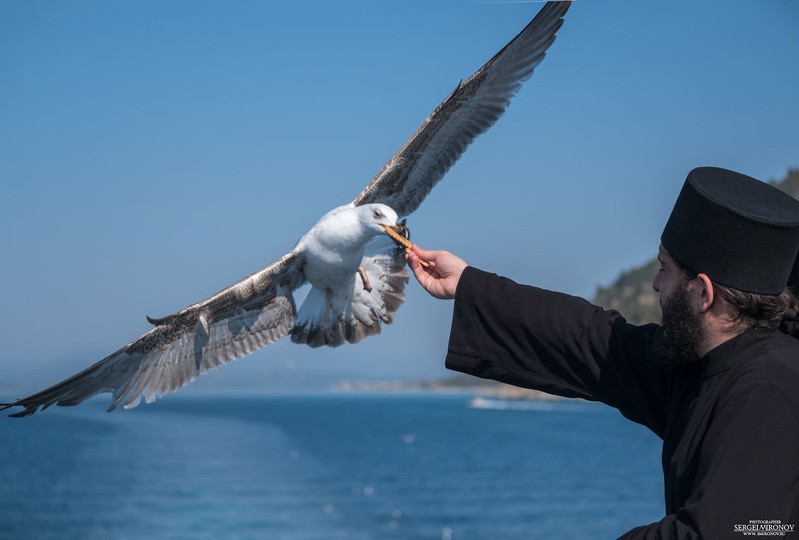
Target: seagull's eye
[377,214]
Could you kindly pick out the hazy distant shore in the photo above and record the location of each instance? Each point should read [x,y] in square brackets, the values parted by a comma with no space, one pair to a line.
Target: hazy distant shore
[456,384]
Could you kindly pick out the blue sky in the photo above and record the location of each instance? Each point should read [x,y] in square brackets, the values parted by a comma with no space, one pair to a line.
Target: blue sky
[152,153]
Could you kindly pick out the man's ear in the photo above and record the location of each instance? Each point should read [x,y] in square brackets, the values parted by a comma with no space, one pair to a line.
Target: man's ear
[705,294]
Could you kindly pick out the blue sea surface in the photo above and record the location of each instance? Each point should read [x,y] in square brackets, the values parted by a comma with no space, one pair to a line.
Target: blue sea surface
[328,466]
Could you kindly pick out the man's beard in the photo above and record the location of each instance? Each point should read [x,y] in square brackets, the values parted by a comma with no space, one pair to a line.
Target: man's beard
[678,345]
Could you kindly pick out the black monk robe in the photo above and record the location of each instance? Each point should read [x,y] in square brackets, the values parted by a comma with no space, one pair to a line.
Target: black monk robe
[730,427]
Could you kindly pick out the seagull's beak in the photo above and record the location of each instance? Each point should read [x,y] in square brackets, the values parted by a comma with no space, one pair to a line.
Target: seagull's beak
[400,229]
[401,236]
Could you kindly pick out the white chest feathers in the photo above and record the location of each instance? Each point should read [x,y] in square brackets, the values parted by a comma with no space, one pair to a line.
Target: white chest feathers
[333,248]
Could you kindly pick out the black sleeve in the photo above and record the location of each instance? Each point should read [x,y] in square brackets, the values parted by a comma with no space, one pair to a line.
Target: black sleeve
[556,343]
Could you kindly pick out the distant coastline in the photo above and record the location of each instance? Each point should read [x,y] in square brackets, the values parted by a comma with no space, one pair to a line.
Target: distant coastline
[457,384]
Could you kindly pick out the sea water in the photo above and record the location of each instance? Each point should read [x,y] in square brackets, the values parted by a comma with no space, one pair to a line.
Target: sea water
[329,466]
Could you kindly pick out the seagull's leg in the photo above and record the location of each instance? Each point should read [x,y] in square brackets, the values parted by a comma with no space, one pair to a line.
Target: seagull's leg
[365,279]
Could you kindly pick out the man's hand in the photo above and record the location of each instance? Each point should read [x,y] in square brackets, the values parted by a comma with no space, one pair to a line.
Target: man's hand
[441,278]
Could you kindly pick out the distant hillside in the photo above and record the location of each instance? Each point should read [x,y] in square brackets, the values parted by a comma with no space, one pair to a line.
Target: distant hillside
[790,184]
[632,295]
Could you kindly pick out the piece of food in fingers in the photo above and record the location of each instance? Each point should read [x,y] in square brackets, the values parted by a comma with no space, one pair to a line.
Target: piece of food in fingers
[400,236]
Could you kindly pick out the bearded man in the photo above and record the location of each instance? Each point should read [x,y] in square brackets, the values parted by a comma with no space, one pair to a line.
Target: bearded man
[716,380]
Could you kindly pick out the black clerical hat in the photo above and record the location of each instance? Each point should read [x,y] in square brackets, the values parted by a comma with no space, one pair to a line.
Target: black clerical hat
[741,232]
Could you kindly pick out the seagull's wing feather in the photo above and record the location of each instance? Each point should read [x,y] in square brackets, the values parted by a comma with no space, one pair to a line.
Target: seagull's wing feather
[254,312]
[474,106]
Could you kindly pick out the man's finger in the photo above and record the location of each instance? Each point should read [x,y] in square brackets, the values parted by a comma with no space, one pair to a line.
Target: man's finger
[426,254]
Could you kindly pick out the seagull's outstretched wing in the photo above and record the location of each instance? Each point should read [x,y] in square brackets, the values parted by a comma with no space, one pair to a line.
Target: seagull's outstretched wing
[246,316]
[470,110]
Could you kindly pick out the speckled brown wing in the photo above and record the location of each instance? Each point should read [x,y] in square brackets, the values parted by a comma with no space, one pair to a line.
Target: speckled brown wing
[470,110]
[254,312]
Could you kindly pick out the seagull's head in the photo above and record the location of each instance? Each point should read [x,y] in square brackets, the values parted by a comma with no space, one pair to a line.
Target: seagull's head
[376,218]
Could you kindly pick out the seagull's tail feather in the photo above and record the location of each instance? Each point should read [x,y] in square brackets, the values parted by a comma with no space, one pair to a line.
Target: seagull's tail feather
[358,309]
[312,317]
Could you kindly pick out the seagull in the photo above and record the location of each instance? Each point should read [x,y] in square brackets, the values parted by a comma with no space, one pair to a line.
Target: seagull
[357,275]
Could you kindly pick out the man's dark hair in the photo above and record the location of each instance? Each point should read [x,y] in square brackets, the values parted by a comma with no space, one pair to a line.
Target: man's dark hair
[752,310]
[757,310]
